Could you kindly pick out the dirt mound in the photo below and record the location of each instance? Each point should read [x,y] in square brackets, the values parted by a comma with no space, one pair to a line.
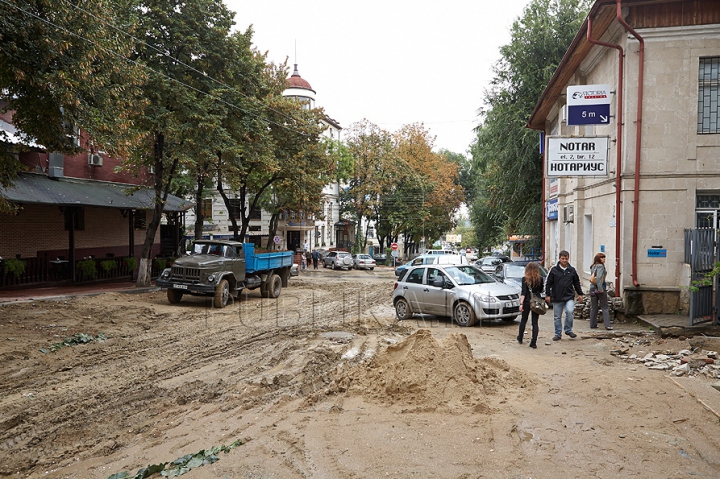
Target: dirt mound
[431,375]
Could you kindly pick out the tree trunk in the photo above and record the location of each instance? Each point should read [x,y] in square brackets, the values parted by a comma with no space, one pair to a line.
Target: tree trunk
[198,207]
[272,228]
[145,270]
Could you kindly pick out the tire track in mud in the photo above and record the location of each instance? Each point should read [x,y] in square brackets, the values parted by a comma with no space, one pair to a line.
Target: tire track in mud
[60,403]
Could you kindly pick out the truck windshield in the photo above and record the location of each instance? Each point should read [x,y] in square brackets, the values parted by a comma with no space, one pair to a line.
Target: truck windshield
[204,248]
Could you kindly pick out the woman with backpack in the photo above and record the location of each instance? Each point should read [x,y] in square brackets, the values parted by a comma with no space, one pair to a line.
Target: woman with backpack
[598,292]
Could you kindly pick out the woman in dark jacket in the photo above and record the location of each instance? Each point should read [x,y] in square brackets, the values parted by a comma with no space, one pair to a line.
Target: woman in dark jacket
[531,283]
[598,293]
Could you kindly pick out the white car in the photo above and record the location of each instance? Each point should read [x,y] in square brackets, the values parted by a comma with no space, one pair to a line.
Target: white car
[363,261]
[463,293]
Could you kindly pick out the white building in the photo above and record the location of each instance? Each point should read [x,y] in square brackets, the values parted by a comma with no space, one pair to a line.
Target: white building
[660,62]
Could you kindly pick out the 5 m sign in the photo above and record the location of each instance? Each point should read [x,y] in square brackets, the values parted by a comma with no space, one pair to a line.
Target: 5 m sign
[577,156]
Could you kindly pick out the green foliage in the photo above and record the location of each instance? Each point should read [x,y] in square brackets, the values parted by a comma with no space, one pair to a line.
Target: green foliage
[181,465]
[13,266]
[161,263]
[108,265]
[80,338]
[506,160]
[707,280]
[131,262]
[87,269]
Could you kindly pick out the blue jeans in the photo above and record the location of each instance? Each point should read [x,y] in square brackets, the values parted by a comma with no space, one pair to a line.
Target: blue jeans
[558,307]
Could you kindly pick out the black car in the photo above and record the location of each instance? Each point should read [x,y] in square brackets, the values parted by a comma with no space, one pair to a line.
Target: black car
[380,258]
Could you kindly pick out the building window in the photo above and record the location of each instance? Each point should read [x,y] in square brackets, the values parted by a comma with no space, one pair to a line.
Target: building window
[708,108]
[255,214]
[707,210]
[235,209]
[206,209]
[254,227]
[140,220]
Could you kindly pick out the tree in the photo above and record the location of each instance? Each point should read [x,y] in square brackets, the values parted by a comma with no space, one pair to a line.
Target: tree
[505,153]
[64,66]
[180,41]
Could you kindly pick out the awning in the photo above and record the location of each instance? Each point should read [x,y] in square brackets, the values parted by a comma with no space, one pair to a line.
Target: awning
[32,188]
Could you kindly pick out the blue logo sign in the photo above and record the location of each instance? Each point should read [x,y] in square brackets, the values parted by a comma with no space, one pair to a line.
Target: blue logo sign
[552,209]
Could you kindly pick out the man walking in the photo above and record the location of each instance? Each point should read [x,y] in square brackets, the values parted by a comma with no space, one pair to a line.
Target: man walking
[561,285]
[315,258]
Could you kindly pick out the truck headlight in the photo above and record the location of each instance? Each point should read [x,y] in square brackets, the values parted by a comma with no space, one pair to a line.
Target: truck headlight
[486,298]
[211,278]
[165,274]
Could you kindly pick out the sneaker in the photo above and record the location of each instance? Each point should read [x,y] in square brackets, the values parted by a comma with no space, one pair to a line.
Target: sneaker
[556,338]
[572,335]
[609,328]
[593,327]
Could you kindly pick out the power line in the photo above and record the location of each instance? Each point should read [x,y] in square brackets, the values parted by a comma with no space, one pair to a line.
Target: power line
[205,75]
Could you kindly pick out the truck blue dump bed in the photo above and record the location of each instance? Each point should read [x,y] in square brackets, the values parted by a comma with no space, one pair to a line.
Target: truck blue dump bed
[265,261]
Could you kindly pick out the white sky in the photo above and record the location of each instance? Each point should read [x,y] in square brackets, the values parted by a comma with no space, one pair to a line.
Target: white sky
[393,62]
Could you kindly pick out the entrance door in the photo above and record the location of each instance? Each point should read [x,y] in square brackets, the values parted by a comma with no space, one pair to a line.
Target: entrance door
[293,240]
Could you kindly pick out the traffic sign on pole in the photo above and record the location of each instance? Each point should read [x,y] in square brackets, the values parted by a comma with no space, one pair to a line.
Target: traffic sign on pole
[394,246]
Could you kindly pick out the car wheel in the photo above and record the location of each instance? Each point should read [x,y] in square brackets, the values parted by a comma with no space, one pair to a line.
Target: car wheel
[222,294]
[334,265]
[174,296]
[402,309]
[464,315]
[510,320]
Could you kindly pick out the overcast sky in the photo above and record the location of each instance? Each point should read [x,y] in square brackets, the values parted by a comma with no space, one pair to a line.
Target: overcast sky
[393,62]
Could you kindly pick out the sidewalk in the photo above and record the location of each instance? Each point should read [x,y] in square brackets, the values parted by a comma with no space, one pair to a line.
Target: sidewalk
[65,291]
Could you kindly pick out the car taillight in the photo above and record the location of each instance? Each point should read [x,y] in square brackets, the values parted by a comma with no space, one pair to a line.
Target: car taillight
[395,287]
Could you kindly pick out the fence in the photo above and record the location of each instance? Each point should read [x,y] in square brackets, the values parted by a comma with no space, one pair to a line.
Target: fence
[702,250]
[34,271]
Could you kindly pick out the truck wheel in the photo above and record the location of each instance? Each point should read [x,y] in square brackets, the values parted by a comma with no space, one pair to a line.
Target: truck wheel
[272,288]
[174,296]
[222,294]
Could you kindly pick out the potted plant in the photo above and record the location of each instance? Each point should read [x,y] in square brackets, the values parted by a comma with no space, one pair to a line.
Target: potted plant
[161,263]
[87,269]
[131,263]
[108,265]
[14,266]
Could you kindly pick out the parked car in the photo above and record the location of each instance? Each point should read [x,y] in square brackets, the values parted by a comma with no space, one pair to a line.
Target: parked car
[512,273]
[489,263]
[422,259]
[380,258]
[338,259]
[463,292]
[363,261]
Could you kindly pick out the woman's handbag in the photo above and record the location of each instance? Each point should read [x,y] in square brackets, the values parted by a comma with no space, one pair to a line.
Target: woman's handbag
[538,304]
[593,278]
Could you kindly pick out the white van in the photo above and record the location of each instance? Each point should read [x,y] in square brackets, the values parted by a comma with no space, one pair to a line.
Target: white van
[451,259]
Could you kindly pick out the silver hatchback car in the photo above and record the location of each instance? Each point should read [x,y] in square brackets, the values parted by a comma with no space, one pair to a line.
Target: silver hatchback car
[463,292]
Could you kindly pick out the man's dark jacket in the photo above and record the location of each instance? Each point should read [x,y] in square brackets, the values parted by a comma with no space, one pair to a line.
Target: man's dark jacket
[561,285]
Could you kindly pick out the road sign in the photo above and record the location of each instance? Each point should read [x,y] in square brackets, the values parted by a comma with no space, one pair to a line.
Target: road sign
[276,240]
[394,246]
[395,253]
[588,105]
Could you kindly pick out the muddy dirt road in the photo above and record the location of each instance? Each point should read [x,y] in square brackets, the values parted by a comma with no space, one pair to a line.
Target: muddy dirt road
[325,382]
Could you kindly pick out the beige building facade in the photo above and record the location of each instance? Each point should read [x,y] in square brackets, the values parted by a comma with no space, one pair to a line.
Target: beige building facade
[661,61]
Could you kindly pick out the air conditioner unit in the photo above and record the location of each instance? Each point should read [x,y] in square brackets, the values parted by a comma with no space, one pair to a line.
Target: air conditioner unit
[569,213]
[94,159]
